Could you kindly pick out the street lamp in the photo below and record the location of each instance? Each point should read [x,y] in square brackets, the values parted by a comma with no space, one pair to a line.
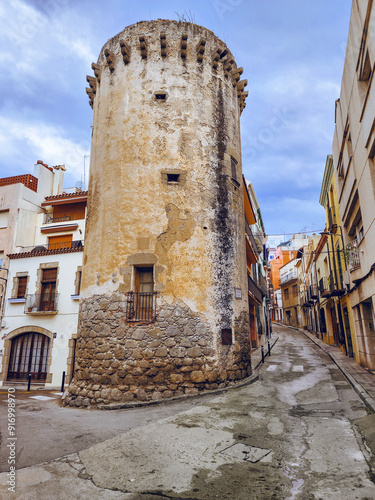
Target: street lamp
[336,226]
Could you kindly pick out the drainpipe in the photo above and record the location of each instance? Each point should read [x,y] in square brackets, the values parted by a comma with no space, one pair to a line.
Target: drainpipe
[4,288]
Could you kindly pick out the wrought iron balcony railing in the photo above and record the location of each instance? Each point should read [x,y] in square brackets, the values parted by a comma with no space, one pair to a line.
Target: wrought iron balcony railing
[353,256]
[141,306]
[41,303]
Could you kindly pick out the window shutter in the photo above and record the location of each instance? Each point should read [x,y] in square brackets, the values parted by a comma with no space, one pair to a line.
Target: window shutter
[21,290]
[49,274]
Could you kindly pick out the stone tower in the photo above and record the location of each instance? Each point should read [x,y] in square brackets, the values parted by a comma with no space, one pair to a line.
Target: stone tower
[164,308]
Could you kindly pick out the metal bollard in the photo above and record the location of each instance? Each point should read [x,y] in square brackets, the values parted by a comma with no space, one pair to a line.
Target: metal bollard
[262,351]
[29,382]
[269,349]
[63,382]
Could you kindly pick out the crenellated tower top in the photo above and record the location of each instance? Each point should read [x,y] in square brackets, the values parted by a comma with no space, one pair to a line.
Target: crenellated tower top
[166,41]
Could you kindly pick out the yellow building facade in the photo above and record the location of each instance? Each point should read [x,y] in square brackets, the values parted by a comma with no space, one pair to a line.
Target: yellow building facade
[334,274]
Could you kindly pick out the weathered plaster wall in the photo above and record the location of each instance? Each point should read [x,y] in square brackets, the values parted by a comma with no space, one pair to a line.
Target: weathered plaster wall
[191,231]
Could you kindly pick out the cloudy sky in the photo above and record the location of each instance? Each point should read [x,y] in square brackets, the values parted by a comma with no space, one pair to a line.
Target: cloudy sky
[292,52]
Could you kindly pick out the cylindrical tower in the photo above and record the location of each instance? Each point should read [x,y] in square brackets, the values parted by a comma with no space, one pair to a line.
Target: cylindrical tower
[164,308]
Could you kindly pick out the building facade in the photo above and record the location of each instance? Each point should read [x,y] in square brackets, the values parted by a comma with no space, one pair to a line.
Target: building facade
[334,285]
[43,284]
[289,285]
[353,163]
[257,284]
[164,302]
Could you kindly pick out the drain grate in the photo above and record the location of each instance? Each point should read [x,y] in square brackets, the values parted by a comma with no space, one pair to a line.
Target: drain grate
[241,451]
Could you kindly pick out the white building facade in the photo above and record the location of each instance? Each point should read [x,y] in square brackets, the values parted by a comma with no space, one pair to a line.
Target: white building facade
[43,284]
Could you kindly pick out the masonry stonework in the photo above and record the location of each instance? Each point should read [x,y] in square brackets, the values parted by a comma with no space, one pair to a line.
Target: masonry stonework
[165,195]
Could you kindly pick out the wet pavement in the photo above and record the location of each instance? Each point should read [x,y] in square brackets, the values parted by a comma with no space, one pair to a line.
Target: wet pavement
[299,432]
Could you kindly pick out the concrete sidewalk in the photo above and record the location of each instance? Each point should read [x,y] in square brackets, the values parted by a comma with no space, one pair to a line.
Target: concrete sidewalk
[362,380]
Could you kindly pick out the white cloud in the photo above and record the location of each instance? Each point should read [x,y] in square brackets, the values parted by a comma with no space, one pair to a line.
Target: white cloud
[34,43]
[38,141]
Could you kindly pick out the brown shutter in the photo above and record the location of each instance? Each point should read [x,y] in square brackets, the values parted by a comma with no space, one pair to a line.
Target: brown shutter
[49,274]
[21,290]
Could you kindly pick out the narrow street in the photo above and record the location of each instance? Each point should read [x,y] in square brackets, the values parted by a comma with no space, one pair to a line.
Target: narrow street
[294,434]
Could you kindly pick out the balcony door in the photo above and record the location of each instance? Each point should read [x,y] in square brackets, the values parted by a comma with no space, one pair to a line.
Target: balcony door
[48,292]
[29,355]
[144,287]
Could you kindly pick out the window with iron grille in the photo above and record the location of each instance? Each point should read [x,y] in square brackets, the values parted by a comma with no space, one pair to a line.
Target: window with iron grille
[141,304]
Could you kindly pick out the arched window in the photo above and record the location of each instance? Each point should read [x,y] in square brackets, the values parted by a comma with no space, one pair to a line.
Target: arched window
[29,354]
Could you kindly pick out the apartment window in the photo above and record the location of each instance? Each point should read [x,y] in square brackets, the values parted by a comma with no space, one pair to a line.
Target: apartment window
[62,241]
[48,290]
[365,69]
[364,75]
[21,287]
[286,293]
[67,212]
[4,215]
[141,304]
[79,281]
[294,291]
[144,279]
[77,284]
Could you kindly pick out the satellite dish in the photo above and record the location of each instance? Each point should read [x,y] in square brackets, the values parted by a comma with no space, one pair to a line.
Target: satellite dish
[80,185]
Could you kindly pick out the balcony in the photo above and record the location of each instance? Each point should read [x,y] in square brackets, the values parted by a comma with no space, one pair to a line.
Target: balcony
[254,289]
[304,300]
[324,287]
[353,255]
[313,292]
[50,219]
[291,276]
[258,236]
[251,244]
[336,288]
[262,283]
[41,303]
[48,249]
[140,307]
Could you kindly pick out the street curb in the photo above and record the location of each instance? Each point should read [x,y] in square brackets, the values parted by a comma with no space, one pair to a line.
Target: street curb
[366,398]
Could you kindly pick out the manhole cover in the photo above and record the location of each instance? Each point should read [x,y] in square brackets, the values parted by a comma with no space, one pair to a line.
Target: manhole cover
[240,451]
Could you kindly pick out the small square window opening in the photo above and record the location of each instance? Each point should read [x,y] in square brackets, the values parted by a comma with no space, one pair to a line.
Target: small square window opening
[173,177]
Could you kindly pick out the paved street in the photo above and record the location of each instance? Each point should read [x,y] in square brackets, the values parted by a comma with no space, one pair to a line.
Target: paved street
[300,432]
